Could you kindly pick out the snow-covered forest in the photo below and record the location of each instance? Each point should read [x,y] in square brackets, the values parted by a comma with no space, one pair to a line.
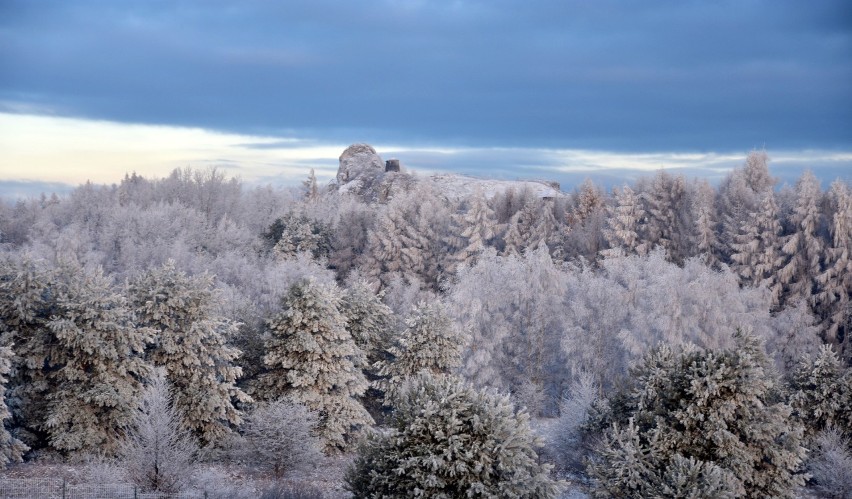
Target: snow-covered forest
[456,336]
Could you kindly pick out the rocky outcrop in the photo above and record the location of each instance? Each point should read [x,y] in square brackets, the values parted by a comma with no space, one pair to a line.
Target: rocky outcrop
[363,173]
[359,166]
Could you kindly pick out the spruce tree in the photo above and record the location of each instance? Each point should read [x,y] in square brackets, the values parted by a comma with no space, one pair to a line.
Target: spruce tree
[191,343]
[312,359]
[449,440]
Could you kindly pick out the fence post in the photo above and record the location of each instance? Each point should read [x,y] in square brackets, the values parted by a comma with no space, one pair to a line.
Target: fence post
[63,487]
[134,492]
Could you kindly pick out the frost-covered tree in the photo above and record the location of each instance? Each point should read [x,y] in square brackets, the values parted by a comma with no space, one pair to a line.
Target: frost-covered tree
[740,194]
[368,320]
[833,301]
[667,209]
[704,238]
[409,238]
[475,229]
[802,248]
[519,234]
[568,438]
[27,302]
[312,358]
[11,449]
[191,343]
[158,453]
[705,424]
[280,435]
[98,367]
[449,440]
[796,335]
[310,187]
[756,250]
[585,219]
[622,224]
[830,465]
[512,308]
[821,392]
[429,343]
[296,233]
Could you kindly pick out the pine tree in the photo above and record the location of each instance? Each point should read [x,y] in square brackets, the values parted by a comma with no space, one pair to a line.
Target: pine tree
[715,409]
[191,343]
[312,359]
[835,282]
[429,343]
[99,366]
[368,320]
[11,449]
[623,224]
[802,248]
[821,393]
[27,302]
[757,249]
[449,440]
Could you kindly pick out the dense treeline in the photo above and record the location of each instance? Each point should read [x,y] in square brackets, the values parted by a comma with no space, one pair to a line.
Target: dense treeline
[355,311]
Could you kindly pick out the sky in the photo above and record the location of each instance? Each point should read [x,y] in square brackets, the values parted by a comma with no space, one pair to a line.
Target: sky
[561,89]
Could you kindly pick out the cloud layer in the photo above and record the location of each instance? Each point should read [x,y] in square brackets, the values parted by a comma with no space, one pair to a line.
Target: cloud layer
[557,74]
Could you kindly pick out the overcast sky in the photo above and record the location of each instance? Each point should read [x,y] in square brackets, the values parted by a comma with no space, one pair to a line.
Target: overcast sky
[95,88]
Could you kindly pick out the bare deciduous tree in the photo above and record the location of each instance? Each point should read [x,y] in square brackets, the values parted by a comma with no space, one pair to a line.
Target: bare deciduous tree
[158,453]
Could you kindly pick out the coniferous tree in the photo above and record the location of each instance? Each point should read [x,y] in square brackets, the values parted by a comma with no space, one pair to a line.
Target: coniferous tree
[311,189]
[833,301]
[802,248]
[450,440]
[27,301]
[667,208]
[312,359]
[821,392]
[191,343]
[714,409]
[623,221]
[475,228]
[740,194]
[368,320]
[429,343]
[704,238]
[99,365]
[757,248]
[519,235]
[11,449]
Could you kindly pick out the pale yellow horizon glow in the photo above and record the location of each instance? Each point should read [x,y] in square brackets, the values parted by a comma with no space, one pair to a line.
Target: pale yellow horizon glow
[72,151]
[49,149]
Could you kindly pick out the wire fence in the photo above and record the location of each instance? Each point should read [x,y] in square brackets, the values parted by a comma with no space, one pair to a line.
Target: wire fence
[46,488]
